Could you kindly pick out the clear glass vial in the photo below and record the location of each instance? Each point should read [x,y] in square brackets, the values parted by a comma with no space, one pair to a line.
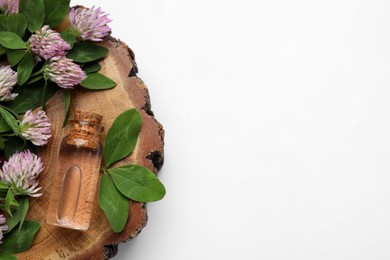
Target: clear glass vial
[77,173]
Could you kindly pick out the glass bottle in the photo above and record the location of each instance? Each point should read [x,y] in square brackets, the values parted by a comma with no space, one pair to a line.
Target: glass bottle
[77,173]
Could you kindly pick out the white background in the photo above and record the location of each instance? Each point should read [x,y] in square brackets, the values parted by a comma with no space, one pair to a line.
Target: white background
[277,119]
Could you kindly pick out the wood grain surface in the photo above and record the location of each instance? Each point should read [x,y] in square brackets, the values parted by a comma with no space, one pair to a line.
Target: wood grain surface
[99,242]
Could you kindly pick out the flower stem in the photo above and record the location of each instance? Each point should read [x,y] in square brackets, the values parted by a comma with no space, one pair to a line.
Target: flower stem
[44,95]
[39,72]
[8,135]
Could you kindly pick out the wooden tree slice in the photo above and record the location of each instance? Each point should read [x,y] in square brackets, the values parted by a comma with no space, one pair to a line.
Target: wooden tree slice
[99,241]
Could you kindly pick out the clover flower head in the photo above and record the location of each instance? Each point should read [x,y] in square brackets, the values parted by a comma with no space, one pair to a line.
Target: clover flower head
[8,79]
[64,72]
[9,6]
[3,226]
[48,43]
[35,127]
[20,173]
[89,24]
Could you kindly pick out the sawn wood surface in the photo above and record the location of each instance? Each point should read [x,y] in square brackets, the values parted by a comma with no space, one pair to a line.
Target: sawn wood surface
[99,242]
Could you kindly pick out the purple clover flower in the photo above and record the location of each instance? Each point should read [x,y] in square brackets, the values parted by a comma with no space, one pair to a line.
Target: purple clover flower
[64,72]
[3,226]
[8,79]
[48,43]
[20,173]
[9,6]
[89,24]
[36,127]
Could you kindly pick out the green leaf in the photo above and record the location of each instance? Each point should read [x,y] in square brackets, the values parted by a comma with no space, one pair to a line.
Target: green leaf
[12,222]
[19,241]
[4,255]
[3,186]
[68,37]
[30,97]
[92,67]
[84,52]
[3,22]
[15,56]
[2,145]
[10,119]
[23,206]
[2,51]
[13,145]
[25,68]
[34,11]
[12,41]
[19,215]
[55,11]
[67,98]
[16,23]
[113,203]
[97,81]
[122,136]
[137,183]
[22,102]
[4,127]
[10,201]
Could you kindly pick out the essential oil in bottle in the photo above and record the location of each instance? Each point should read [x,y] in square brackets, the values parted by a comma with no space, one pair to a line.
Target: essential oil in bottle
[77,173]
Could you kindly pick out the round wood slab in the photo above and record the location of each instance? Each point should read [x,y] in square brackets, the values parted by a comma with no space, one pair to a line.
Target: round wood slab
[99,242]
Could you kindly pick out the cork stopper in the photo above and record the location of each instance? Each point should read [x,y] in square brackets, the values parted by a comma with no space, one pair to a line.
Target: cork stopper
[86,130]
